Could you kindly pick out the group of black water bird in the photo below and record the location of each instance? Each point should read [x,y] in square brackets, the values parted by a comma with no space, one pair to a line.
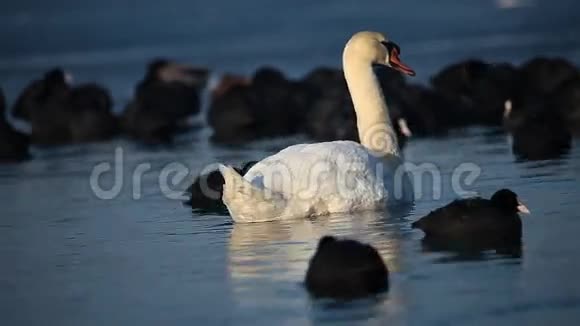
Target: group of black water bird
[537,103]
[61,113]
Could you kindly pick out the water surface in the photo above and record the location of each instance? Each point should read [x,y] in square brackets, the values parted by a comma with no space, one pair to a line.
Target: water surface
[70,258]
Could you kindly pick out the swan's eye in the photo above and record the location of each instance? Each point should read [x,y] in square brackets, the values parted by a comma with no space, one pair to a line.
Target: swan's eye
[390,46]
[394,60]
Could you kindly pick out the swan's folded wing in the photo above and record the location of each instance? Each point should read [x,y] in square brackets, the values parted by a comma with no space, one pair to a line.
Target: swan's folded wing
[302,167]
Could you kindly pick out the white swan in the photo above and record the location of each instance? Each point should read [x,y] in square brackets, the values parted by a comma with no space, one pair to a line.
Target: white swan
[341,176]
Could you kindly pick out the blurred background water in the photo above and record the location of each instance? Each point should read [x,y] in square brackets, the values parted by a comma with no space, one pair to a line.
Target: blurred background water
[69,258]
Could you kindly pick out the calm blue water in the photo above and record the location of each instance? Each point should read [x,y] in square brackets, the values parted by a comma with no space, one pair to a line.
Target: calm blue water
[70,258]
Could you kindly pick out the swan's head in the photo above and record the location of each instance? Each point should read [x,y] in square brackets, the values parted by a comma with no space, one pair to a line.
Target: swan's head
[375,48]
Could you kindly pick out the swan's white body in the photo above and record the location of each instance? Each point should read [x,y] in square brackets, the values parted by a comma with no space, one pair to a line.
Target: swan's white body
[341,176]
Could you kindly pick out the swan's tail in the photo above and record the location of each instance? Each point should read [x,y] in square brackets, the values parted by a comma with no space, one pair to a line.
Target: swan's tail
[247,202]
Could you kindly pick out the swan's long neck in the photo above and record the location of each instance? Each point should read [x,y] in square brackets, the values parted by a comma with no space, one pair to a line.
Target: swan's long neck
[374,125]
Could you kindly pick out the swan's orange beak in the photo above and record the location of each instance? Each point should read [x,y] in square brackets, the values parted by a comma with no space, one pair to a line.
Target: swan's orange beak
[396,63]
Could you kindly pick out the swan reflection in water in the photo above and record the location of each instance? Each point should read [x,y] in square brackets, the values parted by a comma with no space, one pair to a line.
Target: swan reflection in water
[258,249]
[269,258]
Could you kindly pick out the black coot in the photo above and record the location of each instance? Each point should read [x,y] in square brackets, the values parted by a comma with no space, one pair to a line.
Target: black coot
[345,269]
[490,222]
[205,193]
[13,144]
